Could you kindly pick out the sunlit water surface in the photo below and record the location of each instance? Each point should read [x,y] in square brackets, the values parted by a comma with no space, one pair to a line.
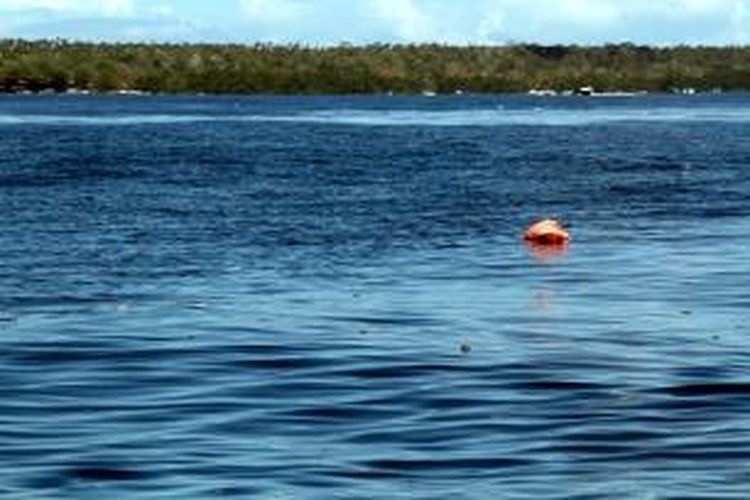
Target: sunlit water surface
[328,297]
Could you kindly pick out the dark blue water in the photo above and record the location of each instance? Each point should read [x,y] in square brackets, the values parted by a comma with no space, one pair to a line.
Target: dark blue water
[328,297]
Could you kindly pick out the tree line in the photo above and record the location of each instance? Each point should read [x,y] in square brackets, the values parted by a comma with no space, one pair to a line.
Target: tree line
[59,66]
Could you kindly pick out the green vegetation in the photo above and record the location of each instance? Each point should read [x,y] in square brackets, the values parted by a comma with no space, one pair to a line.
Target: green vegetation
[295,69]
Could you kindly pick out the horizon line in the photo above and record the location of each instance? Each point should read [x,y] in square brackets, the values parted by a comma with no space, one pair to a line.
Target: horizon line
[370,44]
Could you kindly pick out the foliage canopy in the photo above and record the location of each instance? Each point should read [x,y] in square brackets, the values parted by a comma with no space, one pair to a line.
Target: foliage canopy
[58,65]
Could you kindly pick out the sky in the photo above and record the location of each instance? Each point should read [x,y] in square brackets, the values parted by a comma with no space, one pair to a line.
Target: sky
[330,22]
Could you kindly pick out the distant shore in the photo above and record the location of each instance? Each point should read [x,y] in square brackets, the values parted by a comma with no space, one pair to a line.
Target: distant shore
[58,66]
[531,93]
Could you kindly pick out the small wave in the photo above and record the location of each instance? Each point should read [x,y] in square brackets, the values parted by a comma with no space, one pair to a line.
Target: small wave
[474,464]
[78,120]
[492,117]
[508,117]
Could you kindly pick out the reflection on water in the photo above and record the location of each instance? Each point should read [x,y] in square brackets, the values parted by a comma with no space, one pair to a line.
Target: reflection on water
[544,299]
[546,253]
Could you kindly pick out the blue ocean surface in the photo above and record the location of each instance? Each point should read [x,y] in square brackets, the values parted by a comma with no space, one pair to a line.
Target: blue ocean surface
[328,297]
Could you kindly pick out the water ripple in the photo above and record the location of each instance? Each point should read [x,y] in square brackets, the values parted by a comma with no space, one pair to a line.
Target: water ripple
[308,298]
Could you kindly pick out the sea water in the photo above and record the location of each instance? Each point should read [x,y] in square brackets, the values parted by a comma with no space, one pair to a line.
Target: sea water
[328,297]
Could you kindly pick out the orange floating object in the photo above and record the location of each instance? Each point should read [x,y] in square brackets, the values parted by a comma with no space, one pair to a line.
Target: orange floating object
[547,232]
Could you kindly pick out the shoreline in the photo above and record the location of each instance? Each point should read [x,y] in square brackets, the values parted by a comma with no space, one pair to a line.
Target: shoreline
[533,93]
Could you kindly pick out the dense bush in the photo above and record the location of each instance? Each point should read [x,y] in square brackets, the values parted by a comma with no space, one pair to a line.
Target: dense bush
[59,65]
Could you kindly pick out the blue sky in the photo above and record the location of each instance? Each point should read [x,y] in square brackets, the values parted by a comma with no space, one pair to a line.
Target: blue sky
[662,22]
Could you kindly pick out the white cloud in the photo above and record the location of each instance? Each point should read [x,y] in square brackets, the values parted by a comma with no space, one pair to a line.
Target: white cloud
[443,21]
[596,14]
[116,8]
[739,31]
[492,21]
[161,10]
[273,11]
[55,5]
[405,18]
[599,21]
[491,27]
[707,6]
[107,8]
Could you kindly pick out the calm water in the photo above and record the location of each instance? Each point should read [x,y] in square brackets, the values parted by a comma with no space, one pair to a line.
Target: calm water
[328,297]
